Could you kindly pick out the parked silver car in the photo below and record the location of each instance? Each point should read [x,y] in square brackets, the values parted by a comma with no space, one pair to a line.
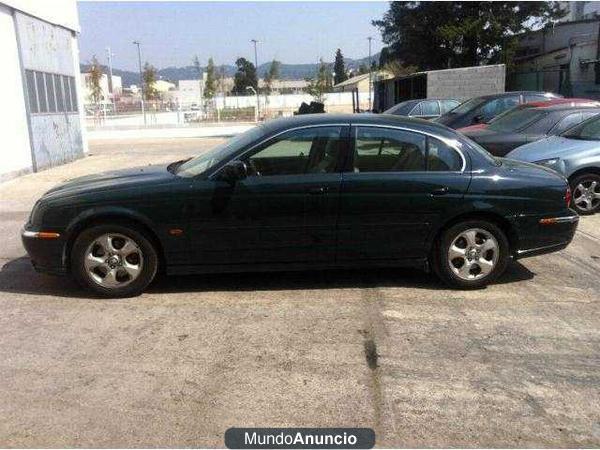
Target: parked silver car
[575,154]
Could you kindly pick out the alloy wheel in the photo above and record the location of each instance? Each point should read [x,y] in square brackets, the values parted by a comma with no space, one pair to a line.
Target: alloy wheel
[113,260]
[473,254]
[586,195]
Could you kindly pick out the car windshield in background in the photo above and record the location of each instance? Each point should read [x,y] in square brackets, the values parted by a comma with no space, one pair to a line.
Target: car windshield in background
[205,161]
[467,106]
[401,109]
[516,120]
[586,131]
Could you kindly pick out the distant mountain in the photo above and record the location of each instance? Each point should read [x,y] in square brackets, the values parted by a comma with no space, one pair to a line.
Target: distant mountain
[288,71]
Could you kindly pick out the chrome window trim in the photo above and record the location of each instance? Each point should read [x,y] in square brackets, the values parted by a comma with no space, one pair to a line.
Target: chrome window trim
[446,141]
[245,152]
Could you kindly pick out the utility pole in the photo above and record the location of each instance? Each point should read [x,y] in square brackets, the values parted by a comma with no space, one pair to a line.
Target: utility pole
[141,78]
[109,55]
[370,74]
[254,41]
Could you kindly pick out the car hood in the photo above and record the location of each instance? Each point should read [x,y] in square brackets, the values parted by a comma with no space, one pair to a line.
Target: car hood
[113,180]
[551,147]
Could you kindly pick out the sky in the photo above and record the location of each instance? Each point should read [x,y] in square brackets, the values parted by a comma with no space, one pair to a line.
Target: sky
[171,33]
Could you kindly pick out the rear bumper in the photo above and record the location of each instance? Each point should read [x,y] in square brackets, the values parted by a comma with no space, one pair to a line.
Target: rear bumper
[550,234]
[46,254]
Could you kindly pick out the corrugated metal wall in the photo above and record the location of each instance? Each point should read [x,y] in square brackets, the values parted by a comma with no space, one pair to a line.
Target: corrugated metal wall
[48,49]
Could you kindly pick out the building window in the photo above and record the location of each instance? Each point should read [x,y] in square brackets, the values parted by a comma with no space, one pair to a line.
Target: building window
[50,93]
[41,92]
[31,91]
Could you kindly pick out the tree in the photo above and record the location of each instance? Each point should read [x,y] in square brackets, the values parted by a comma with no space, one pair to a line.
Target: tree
[339,68]
[149,77]
[210,87]
[318,86]
[272,75]
[244,77]
[93,81]
[436,35]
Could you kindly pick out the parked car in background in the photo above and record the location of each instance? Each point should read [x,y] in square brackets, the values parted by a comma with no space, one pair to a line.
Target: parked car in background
[485,108]
[423,109]
[574,154]
[583,102]
[523,125]
[308,192]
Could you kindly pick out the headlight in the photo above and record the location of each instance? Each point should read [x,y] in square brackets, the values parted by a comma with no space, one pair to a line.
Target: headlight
[552,162]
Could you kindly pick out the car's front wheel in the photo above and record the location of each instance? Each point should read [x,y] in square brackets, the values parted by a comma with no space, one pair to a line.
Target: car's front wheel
[586,193]
[471,254]
[113,260]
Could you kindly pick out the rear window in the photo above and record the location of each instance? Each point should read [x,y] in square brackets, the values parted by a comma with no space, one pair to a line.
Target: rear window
[401,109]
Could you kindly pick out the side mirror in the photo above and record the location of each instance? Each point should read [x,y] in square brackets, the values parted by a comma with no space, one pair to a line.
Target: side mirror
[478,119]
[234,171]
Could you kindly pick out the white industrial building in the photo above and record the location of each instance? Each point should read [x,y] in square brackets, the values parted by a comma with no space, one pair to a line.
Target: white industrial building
[41,121]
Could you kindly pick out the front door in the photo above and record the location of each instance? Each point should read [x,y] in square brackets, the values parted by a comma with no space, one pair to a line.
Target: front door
[400,185]
[285,211]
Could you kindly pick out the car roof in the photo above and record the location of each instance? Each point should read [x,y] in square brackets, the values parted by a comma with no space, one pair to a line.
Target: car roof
[510,93]
[562,101]
[277,125]
[555,108]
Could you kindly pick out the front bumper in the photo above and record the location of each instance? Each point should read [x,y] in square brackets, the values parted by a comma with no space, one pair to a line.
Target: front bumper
[46,253]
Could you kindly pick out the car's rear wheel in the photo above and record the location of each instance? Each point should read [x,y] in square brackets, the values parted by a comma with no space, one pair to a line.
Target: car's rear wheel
[586,193]
[113,260]
[471,254]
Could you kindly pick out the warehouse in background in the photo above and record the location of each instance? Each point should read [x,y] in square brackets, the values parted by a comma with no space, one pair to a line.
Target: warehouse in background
[460,84]
[41,122]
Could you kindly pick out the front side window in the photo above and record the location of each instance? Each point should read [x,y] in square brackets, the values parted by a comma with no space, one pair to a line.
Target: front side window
[387,150]
[310,150]
[497,106]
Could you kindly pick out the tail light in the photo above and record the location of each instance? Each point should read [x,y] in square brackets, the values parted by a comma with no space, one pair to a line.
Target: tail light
[568,196]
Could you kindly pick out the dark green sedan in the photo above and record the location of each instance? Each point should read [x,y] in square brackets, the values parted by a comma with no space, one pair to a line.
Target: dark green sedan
[314,191]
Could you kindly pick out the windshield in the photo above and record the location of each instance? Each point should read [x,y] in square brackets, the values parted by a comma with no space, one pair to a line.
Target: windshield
[205,161]
[467,106]
[516,120]
[588,130]
[401,109]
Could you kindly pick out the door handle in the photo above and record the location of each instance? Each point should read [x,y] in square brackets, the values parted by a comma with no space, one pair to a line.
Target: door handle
[440,191]
[317,190]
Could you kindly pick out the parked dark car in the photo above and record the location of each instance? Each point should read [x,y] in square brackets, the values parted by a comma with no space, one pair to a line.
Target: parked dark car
[485,108]
[522,126]
[307,192]
[423,109]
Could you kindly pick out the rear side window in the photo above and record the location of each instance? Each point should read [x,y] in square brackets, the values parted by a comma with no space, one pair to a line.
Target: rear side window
[387,150]
[416,111]
[441,157]
[430,108]
[448,105]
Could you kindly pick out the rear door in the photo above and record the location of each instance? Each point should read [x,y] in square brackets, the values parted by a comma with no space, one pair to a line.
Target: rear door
[399,185]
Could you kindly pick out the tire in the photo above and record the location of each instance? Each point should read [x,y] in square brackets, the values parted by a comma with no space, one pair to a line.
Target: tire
[481,252]
[585,190]
[113,261]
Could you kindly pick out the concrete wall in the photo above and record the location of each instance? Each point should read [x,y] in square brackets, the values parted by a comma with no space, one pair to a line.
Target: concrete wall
[466,82]
[15,152]
[56,137]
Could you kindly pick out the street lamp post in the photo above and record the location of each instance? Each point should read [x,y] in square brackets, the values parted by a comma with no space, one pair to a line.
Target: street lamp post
[141,78]
[254,41]
[251,89]
[370,75]
[111,94]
